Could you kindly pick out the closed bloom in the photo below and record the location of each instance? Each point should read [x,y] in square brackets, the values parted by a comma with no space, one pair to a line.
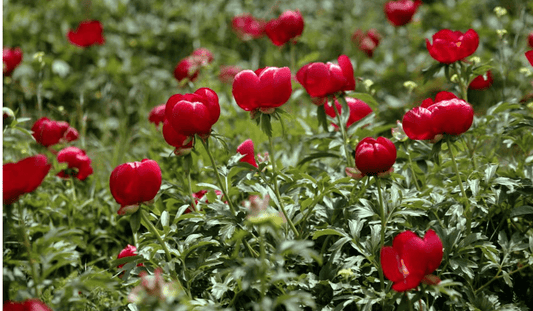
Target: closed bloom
[128,251]
[358,110]
[26,305]
[79,164]
[182,143]
[401,12]
[48,132]
[321,79]
[411,259]
[186,68]
[12,58]
[367,41]
[446,115]
[481,82]
[375,156]
[287,26]
[247,149]
[264,89]
[195,113]
[530,39]
[134,183]
[23,177]
[87,34]
[248,27]
[450,46]
[157,114]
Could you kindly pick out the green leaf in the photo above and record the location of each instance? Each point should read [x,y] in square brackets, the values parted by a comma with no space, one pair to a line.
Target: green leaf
[367,98]
[135,221]
[321,116]
[522,210]
[323,232]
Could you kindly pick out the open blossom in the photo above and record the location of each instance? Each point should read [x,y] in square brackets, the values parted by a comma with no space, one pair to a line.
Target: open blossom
[12,58]
[265,89]
[23,176]
[79,164]
[248,27]
[320,80]
[195,113]
[134,183]
[247,149]
[401,12]
[128,251]
[289,25]
[48,132]
[375,156]
[446,115]
[358,110]
[157,114]
[450,46]
[367,41]
[482,81]
[88,33]
[411,260]
[26,305]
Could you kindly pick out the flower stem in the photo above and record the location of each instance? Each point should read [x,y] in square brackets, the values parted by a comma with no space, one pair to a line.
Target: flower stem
[412,168]
[383,224]
[222,186]
[193,201]
[276,188]
[468,212]
[342,126]
[26,242]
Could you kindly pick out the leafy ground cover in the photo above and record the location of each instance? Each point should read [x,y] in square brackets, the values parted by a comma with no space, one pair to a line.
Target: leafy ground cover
[397,176]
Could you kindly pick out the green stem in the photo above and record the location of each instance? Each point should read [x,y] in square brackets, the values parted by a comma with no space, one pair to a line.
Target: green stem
[26,242]
[263,261]
[153,229]
[222,186]
[276,189]
[342,126]
[383,224]
[412,168]
[193,201]
[497,276]
[468,213]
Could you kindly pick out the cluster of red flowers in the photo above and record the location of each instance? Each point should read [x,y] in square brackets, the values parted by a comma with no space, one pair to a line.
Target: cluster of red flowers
[248,27]
[189,67]
[367,41]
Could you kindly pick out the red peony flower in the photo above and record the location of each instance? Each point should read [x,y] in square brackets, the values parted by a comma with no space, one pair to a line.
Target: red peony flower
[128,251]
[134,183]
[530,40]
[411,259]
[157,114]
[446,115]
[183,144]
[248,27]
[321,79]
[195,113]
[23,176]
[375,156]
[26,305]
[367,42]
[401,12]
[265,89]
[247,149]
[529,56]
[48,132]
[202,56]
[87,34]
[12,58]
[450,46]
[79,164]
[358,110]
[186,68]
[228,73]
[481,82]
[287,26]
